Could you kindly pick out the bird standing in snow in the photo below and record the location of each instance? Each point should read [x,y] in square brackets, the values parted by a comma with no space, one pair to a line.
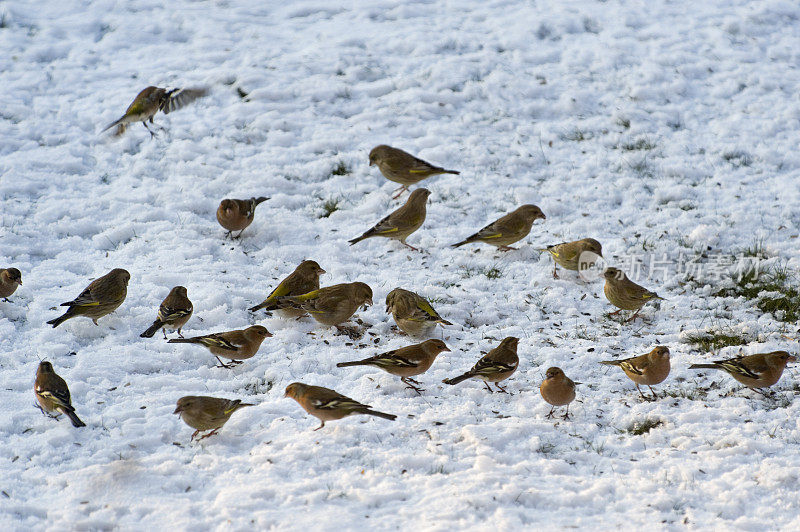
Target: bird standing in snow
[495,366]
[568,254]
[648,369]
[401,223]
[558,390]
[507,229]
[328,405]
[413,313]
[207,413]
[10,279]
[401,167]
[235,345]
[304,279]
[52,393]
[624,293]
[757,371]
[237,215]
[101,297]
[174,312]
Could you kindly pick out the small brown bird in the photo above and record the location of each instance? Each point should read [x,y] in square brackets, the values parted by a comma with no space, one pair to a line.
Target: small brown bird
[328,405]
[401,167]
[401,223]
[405,362]
[237,215]
[304,279]
[331,305]
[174,312]
[235,345]
[152,100]
[413,313]
[207,413]
[52,393]
[649,369]
[10,279]
[495,366]
[568,254]
[624,293]
[754,371]
[558,390]
[508,229]
[101,297]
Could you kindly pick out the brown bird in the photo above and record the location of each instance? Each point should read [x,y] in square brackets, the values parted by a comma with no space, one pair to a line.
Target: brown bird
[101,297]
[401,223]
[508,229]
[152,100]
[754,371]
[495,366]
[405,362]
[207,413]
[10,279]
[331,305]
[624,293]
[304,279]
[569,254]
[174,312]
[401,167]
[558,390]
[649,369]
[236,214]
[52,393]
[413,313]
[328,405]
[235,345]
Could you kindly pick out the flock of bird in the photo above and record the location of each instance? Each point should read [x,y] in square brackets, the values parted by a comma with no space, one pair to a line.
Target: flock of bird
[300,294]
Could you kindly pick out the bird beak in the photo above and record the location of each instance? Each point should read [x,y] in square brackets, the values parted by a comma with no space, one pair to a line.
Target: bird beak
[178,410]
[372,163]
[19,282]
[368,303]
[269,334]
[447,349]
[321,271]
[791,359]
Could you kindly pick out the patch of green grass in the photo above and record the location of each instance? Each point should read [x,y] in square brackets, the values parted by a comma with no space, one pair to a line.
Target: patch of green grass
[757,249]
[340,169]
[329,207]
[575,135]
[624,122]
[637,428]
[738,158]
[712,340]
[774,290]
[491,273]
[639,144]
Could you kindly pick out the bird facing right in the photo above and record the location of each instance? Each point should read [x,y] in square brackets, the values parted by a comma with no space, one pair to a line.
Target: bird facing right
[495,366]
[413,313]
[402,167]
[328,405]
[101,297]
[649,369]
[206,413]
[52,393]
[330,305]
[401,223]
[235,345]
[10,279]
[507,229]
[757,371]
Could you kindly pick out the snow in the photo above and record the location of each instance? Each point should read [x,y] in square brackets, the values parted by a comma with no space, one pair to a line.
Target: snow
[534,102]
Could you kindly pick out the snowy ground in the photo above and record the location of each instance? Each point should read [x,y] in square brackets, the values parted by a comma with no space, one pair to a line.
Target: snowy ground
[662,129]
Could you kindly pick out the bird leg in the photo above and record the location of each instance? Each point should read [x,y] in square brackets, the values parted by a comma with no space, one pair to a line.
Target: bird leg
[555,273]
[642,394]
[165,332]
[408,384]
[179,333]
[409,246]
[615,312]
[238,236]
[506,248]
[323,424]
[152,135]
[487,386]
[401,190]
[655,395]
[566,415]
[550,414]
[5,299]
[415,381]
[762,392]
[195,433]
[229,365]
[635,314]
[501,388]
[209,434]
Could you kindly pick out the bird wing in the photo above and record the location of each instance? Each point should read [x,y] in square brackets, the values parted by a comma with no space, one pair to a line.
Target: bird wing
[632,365]
[489,365]
[59,396]
[425,312]
[635,291]
[180,97]
[221,341]
[737,366]
[331,400]
[167,314]
[563,251]
[87,298]
[394,359]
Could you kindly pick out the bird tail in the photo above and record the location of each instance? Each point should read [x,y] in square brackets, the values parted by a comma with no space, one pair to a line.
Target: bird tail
[611,362]
[460,244]
[269,305]
[184,341]
[390,417]
[357,240]
[256,201]
[703,366]
[61,319]
[354,363]
[152,330]
[460,378]
[456,172]
[76,422]
[115,123]
[443,322]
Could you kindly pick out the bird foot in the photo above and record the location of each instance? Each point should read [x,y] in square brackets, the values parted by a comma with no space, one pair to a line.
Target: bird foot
[399,191]
[207,435]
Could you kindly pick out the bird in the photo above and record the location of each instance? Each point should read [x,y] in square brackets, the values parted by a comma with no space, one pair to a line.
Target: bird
[52,393]
[413,313]
[569,255]
[101,297]
[10,279]
[757,371]
[235,345]
[401,167]
[495,366]
[174,312]
[150,101]
[330,305]
[507,229]
[558,390]
[401,223]
[237,215]
[304,279]
[648,369]
[405,362]
[624,293]
[328,405]
[207,413]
